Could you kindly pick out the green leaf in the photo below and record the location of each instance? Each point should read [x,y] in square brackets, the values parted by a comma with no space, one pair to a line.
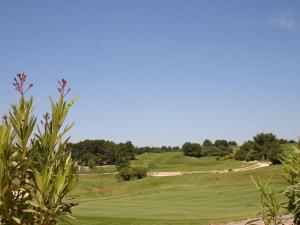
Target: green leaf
[17,220]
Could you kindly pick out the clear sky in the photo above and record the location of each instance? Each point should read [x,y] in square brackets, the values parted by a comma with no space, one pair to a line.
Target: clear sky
[159,72]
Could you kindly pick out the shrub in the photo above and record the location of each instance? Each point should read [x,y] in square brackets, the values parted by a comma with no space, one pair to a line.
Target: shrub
[210,151]
[270,204]
[92,163]
[221,143]
[232,143]
[192,149]
[292,192]
[240,155]
[139,172]
[207,143]
[226,157]
[129,173]
[36,173]
[274,156]
[125,173]
[265,146]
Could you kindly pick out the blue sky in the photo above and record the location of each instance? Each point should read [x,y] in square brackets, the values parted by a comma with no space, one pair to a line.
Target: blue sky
[159,72]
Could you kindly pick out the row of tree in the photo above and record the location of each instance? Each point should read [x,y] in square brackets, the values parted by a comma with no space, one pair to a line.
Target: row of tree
[264,146]
[101,152]
[142,150]
[219,148]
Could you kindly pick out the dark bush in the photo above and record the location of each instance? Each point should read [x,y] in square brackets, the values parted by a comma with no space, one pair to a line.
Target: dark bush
[274,156]
[129,173]
[221,143]
[207,143]
[210,151]
[232,143]
[192,149]
[240,155]
[245,152]
[124,174]
[92,163]
[138,172]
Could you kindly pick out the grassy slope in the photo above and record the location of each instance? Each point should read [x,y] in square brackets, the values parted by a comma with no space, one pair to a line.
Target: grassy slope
[289,148]
[176,161]
[192,199]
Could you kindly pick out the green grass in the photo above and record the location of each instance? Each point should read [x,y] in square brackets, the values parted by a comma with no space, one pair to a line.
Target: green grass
[191,199]
[176,161]
[289,148]
[100,169]
[183,200]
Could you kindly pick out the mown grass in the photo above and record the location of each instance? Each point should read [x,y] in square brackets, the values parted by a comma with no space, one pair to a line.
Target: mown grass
[190,199]
[176,161]
[289,148]
[183,200]
[100,169]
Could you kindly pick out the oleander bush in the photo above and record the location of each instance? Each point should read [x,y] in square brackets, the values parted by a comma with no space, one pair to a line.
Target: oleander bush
[270,205]
[272,209]
[36,173]
[291,172]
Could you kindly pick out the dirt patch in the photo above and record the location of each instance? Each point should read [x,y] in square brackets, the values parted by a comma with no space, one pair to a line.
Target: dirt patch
[165,174]
[286,220]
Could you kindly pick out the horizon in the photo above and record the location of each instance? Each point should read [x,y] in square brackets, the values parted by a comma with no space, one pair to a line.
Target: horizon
[174,146]
[159,73]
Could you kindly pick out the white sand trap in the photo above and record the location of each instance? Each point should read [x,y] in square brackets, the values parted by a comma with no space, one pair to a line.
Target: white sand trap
[257,165]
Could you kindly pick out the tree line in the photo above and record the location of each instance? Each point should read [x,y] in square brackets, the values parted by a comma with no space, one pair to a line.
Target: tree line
[219,148]
[103,152]
[264,146]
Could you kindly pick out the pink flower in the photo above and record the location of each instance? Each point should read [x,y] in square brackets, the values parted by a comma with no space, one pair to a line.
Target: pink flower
[62,85]
[46,117]
[19,81]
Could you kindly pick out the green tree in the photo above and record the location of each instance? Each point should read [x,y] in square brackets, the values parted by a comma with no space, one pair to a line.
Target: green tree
[130,150]
[232,143]
[267,146]
[92,163]
[207,143]
[246,152]
[223,143]
[240,155]
[124,153]
[192,149]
